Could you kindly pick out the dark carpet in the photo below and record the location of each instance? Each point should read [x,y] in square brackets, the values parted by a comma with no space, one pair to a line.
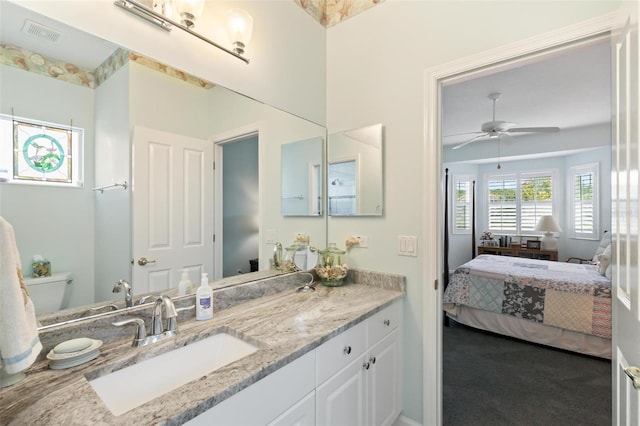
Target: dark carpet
[494,380]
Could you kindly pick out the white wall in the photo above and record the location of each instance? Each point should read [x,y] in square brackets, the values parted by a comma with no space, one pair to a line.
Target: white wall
[376,63]
[287,50]
[297,160]
[53,221]
[113,206]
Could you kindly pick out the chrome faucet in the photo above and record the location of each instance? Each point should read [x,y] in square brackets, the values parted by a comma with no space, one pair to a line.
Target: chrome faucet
[124,285]
[163,308]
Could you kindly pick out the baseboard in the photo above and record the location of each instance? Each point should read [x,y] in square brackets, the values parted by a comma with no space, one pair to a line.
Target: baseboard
[405,421]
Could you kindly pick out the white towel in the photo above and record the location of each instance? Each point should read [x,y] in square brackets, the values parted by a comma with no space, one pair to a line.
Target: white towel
[19,341]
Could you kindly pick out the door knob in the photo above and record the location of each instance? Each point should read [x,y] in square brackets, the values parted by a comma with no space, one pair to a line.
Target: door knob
[143,261]
[634,375]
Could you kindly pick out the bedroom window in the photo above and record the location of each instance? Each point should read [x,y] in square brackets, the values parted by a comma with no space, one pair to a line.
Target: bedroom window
[39,153]
[462,194]
[583,190]
[517,201]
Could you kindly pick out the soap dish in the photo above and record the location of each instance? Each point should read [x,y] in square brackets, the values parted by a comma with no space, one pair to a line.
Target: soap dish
[73,353]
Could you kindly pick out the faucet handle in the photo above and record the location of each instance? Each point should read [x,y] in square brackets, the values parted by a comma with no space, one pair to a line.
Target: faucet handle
[143,300]
[141,333]
[99,308]
[172,324]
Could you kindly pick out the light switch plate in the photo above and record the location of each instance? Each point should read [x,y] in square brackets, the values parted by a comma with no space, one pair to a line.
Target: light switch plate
[407,245]
[270,236]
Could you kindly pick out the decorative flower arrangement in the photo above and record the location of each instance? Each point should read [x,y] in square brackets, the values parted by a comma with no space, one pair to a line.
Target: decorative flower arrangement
[302,238]
[330,269]
[486,235]
[350,242]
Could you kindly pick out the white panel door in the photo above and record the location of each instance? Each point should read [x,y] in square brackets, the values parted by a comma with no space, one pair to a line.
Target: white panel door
[625,218]
[172,209]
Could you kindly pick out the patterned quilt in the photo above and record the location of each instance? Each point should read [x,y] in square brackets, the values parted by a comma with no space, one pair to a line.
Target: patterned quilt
[566,295]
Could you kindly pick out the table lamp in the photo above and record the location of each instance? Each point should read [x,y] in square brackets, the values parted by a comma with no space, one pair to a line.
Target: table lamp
[548,225]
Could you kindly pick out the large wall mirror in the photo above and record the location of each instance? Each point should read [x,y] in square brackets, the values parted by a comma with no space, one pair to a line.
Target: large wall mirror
[118,97]
[355,172]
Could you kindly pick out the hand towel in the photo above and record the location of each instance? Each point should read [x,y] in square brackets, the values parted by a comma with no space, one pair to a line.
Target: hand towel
[19,341]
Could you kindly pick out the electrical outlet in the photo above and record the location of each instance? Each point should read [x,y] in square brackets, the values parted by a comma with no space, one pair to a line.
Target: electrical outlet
[363,241]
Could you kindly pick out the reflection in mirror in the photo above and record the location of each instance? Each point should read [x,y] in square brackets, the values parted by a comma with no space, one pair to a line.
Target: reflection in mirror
[306,258]
[302,178]
[354,172]
[89,233]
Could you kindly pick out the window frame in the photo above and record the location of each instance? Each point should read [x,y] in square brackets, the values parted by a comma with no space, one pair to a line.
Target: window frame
[7,152]
[574,171]
[519,177]
[457,178]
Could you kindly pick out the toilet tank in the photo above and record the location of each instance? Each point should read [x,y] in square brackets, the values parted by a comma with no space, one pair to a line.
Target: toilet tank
[47,293]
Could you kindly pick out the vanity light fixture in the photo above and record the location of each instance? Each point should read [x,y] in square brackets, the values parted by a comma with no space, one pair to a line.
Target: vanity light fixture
[188,10]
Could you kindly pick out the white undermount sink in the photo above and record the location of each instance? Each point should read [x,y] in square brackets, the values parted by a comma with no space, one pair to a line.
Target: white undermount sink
[137,384]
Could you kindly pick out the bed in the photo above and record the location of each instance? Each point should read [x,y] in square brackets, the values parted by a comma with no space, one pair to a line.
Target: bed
[564,305]
[560,304]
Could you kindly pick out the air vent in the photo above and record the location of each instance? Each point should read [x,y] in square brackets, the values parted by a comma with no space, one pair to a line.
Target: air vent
[38,30]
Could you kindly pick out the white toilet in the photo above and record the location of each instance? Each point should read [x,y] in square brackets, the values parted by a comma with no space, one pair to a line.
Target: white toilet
[47,293]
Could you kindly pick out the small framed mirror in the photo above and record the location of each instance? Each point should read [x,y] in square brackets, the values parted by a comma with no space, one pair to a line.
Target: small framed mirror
[301,181]
[354,172]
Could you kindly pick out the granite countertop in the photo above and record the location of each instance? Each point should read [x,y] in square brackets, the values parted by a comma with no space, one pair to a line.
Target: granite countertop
[283,326]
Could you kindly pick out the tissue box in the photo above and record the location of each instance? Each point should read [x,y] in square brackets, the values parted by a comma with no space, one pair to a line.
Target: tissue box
[41,268]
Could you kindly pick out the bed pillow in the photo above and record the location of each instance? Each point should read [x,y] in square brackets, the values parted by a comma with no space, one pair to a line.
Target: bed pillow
[604,242]
[604,260]
[607,273]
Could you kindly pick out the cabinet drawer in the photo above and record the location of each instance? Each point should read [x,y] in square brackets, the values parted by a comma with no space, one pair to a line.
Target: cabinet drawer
[380,324]
[335,354]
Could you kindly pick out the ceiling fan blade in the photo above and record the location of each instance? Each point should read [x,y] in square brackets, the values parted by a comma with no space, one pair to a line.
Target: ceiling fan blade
[470,140]
[462,134]
[533,130]
[506,137]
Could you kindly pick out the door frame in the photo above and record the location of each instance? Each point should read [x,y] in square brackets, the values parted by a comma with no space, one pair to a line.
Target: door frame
[220,139]
[487,62]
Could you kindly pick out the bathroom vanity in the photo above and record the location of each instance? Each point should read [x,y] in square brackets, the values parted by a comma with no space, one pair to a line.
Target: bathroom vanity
[326,357]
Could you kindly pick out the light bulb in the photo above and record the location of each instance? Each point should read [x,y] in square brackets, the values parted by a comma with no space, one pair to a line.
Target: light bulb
[240,28]
[189,10]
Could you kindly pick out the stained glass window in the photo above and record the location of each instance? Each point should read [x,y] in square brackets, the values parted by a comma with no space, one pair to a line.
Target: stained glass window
[40,153]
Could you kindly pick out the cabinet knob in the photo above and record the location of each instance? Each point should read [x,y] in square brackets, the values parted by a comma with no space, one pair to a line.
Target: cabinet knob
[372,359]
[365,365]
[347,350]
[387,322]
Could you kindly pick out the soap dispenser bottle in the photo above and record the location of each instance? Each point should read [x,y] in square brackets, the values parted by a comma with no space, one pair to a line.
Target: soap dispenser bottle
[204,299]
[185,286]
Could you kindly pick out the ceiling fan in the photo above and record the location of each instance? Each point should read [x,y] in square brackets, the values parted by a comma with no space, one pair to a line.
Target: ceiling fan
[499,129]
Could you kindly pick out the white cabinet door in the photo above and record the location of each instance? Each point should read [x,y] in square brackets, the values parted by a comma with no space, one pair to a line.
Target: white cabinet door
[303,413]
[383,377]
[340,401]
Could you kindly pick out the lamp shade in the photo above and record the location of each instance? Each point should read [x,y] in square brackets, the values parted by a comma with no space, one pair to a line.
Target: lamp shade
[547,223]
